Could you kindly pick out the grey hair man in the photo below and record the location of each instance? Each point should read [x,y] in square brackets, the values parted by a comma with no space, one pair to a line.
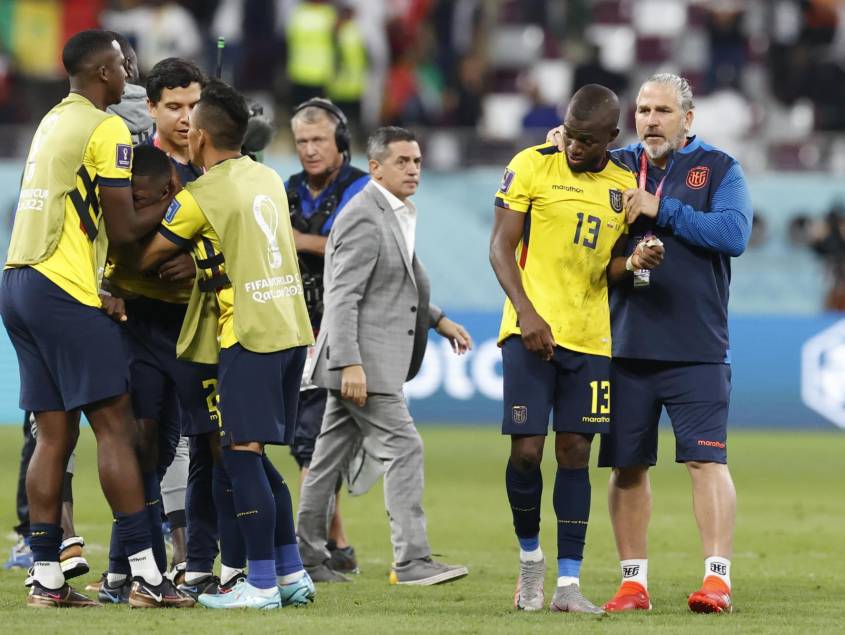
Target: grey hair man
[372,340]
[316,196]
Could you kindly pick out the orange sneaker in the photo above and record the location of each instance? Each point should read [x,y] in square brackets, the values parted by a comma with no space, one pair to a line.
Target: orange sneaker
[714,596]
[631,596]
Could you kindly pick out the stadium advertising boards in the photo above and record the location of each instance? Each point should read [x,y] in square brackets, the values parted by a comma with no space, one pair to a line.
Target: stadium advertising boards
[787,372]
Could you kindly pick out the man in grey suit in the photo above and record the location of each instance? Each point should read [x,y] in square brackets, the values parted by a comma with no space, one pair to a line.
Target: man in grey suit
[373,337]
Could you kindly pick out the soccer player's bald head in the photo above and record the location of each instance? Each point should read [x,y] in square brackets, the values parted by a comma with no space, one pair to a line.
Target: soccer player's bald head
[590,125]
[595,104]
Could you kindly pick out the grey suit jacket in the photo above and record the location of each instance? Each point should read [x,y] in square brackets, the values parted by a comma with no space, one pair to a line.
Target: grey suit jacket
[377,310]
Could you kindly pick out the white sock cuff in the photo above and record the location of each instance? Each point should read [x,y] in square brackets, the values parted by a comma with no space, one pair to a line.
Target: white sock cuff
[635,570]
[115,578]
[719,567]
[565,580]
[535,555]
[143,565]
[227,573]
[48,574]
[290,578]
[192,577]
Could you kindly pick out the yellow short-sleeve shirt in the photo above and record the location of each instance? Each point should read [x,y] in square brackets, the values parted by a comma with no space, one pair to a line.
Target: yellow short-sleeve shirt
[572,222]
[108,162]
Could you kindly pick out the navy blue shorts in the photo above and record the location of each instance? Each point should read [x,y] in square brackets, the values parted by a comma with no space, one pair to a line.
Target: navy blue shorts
[70,354]
[168,390]
[575,386]
[259,393]
[696,397]
[309,420]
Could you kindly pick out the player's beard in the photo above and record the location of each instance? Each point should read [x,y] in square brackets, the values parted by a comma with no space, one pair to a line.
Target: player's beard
[668,145]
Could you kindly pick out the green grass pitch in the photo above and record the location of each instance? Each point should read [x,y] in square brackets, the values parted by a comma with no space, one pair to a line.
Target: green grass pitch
[787,567]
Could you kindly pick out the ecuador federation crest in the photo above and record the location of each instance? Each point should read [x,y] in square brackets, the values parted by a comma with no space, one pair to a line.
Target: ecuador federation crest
[615,200]
[519,414]
[697,177]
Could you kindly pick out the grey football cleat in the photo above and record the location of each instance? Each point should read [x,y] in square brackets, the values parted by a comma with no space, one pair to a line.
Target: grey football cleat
[569,599]
[529,595]
[426,572]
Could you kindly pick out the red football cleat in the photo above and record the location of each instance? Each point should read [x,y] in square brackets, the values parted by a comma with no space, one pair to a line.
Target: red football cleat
[714,596]
[631,596]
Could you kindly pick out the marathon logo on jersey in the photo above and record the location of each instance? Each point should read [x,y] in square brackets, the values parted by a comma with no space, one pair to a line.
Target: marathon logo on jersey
[697,177]
[711,444]
[171,211]
[615,200]
[123,156]
[519,414]
[719,568]
[630,572]
[507,180]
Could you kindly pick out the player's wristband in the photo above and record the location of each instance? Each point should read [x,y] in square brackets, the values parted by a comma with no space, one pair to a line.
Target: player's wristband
[629,264]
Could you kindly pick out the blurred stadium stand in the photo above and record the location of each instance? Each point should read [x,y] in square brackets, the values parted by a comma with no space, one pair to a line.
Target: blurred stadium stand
[481,79]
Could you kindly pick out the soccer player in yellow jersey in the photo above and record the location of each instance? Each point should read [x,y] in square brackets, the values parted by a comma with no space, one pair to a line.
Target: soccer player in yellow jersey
[236,219]
[75,194]
[557,230]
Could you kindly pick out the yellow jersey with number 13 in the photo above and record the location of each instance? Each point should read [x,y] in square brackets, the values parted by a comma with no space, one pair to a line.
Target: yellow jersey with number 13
[572,222]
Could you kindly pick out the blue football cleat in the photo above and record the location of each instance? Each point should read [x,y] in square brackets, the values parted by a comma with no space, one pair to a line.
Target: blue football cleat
[21,555]
[298,593]
[242,596]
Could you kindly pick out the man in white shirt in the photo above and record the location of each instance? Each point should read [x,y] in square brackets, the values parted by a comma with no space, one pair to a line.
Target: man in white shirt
[372,339]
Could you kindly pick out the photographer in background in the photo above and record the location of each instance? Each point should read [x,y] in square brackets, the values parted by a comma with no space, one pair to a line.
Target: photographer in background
[316,196]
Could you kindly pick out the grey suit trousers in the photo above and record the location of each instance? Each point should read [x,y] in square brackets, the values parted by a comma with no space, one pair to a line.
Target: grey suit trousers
[387,432]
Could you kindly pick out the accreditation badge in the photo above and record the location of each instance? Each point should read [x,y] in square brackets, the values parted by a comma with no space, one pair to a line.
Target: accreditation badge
[308,369]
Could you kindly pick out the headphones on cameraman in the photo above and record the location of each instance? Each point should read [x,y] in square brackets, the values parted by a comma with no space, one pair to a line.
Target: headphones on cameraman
[341,131]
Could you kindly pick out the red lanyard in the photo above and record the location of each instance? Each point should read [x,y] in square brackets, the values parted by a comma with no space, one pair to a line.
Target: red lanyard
[644,175]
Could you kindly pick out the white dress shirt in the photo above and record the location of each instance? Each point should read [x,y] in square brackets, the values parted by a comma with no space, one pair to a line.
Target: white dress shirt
[405,214]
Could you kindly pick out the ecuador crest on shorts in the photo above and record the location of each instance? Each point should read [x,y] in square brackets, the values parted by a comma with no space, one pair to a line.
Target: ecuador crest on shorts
[615,200]
[519,414]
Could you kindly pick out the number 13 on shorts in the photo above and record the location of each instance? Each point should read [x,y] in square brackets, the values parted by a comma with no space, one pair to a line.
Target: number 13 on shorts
[601,397]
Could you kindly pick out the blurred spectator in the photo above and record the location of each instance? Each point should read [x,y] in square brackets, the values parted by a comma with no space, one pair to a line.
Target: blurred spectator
[826,237]
[802,58]
[402,103]
[10,111]
[350,77]
[759,231]
[540,116]
[158,29]
[463,103]
[311,49]
[252,43]
[728,45]
[797,231]
[592,71]
[456,26]
[414,91]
